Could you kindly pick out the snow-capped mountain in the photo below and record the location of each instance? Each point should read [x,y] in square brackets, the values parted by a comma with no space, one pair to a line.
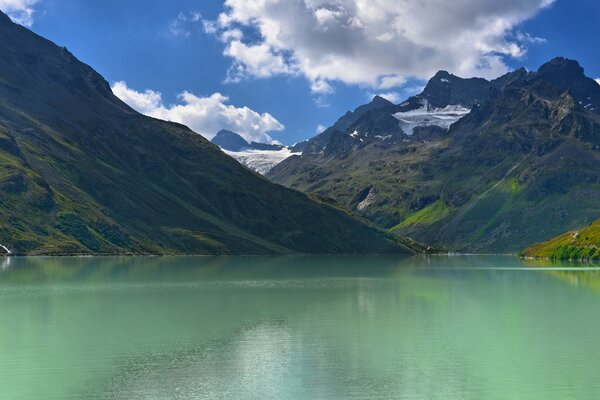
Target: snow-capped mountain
[260,157]
[528,148]
[445,100]
[261,161]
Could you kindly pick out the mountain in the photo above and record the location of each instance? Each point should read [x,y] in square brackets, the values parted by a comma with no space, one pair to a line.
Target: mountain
[520,165]
[231,141]
[320,142]
[82,172]
[259,157]
[444,100]
[580,244]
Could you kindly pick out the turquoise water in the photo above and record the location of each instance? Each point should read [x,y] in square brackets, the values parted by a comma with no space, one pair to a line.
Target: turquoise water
[298,328]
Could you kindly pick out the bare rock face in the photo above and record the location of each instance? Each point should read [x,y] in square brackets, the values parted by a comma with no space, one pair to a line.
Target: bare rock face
[521,165]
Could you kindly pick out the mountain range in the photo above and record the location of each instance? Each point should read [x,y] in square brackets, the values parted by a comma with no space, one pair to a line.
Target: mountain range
[468,165]
[83,173]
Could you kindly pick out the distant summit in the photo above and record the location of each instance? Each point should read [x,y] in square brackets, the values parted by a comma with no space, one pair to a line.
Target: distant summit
[260,157]
[231,141]
[569,75]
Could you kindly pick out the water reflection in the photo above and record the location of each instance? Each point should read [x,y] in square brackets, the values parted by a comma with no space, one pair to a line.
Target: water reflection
[65,269]
[298,327]
[5,264]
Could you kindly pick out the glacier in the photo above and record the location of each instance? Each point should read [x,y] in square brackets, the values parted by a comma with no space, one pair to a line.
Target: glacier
[261,161]
[428,116]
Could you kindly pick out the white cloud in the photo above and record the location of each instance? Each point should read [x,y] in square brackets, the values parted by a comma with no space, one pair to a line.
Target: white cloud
[390,81]
[144,102]
[377,43]
[209,27]
[205,115]
[20,11]
[394,97]
[320,128]
[321,87]
[259,60]
[525,37]
[180,26]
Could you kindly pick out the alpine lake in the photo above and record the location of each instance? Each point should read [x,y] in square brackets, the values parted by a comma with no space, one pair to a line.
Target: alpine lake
[298,327]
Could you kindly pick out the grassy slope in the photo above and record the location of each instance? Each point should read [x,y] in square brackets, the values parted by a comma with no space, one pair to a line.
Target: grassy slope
[580,244]
[493,187]
[422,191]
[80,172]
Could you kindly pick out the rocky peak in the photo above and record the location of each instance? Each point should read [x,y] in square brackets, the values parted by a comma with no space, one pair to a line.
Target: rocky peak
[381,102]
[442,75]
[231,141]
[567,74]
[560,69]
[447,89]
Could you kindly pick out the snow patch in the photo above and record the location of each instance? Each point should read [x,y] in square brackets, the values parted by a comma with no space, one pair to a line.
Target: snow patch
[428,116]
[445,80]
[261,161]
[383,137]
[5,249]
[354,134]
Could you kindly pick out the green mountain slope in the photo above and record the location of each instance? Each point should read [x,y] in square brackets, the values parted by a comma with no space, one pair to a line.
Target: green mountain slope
[580,244]
[81,172]
[521,167]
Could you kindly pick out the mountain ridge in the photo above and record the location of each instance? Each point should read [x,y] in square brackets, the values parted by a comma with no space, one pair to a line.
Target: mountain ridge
[529,149]
[83,173]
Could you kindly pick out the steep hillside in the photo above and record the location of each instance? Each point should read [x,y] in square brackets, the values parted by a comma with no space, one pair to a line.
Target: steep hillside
[521,166]
[81,172]
[580,244]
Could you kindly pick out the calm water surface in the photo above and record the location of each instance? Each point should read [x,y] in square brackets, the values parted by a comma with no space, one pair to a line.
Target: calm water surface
[298,328]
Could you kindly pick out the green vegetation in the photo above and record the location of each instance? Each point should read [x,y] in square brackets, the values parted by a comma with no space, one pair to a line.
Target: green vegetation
[81,172]
[521,167]
[581,244]
[432,213]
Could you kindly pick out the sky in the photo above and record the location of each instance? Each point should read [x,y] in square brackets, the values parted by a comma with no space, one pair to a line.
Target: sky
[284,70]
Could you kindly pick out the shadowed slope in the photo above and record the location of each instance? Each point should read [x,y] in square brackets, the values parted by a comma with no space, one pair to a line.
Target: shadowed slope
[81,172]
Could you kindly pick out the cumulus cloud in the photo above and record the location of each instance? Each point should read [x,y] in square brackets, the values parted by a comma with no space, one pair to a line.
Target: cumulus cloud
[20,11]
[205,115]
[376,43]
[258,60]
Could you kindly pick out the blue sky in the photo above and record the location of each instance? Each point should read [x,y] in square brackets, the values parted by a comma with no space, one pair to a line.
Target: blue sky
[305,63]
